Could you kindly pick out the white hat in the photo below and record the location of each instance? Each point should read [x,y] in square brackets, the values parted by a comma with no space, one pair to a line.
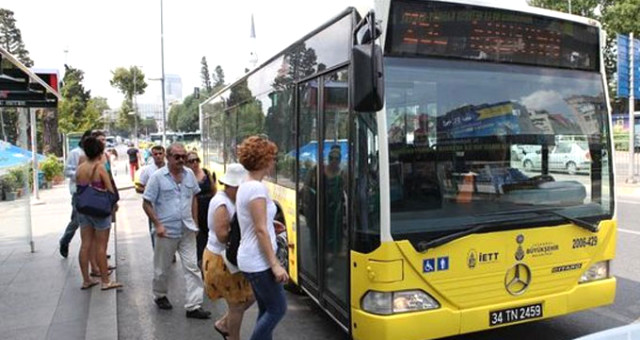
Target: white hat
[234,176]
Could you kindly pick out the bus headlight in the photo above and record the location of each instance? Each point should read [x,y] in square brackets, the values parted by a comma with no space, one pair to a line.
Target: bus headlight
[598,271]
[386,303]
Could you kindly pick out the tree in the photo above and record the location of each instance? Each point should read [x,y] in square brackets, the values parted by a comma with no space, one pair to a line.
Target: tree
[11,38]
[130,82]
[95,109]
[11,41]
[218,79]
[204,75]
[73,106]
[185,116]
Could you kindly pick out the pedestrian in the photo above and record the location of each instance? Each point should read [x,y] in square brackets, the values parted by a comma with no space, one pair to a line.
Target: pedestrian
[94,230]
[170,202]
[207,183]
[106,161]
[257,252]
[70,172]
[113,157]
[222,279]
[134,160]
[157,152]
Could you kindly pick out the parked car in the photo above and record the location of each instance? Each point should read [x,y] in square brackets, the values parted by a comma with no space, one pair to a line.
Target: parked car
[569,157]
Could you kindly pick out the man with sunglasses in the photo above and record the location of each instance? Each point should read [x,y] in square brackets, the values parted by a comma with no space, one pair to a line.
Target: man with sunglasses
[170,202]
[157,152]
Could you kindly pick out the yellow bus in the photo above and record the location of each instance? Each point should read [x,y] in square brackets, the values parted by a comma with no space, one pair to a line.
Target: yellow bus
[403,134]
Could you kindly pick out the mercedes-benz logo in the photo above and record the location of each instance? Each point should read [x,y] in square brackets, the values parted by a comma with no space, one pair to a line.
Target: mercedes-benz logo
[517,279]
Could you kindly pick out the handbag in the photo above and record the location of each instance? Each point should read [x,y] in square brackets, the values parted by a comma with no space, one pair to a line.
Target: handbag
[93,201]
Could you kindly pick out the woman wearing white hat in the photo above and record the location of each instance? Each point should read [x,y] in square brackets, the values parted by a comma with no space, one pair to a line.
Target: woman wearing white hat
[221,280]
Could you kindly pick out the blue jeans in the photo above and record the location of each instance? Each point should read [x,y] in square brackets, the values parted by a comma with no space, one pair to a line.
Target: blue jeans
[272,303]
[73,224]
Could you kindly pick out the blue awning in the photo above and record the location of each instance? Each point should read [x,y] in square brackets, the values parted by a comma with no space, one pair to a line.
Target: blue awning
[11,155]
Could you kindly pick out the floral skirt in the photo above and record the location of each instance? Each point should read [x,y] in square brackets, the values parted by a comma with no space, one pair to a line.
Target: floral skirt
[220,283]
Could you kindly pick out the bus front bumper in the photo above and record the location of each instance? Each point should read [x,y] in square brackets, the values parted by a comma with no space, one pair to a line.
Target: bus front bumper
[446,321]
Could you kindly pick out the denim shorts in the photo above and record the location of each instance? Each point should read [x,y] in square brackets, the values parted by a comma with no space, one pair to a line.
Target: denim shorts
[98,223]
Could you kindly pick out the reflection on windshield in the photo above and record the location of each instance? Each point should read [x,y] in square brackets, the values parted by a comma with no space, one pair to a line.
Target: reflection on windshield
[467,138]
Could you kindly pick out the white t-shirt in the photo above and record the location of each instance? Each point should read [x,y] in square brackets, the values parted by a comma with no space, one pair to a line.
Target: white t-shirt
[219,199]
[146,173]
[251,259]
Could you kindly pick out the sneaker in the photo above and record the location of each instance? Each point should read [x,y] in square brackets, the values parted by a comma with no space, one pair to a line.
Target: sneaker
[64,250]
[163,303]
[198,313]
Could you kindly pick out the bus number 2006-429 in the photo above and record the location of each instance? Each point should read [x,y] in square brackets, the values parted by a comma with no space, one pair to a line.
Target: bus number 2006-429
[515,314]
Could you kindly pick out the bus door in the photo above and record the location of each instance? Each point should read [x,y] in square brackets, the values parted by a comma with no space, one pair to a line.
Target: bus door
[323,190]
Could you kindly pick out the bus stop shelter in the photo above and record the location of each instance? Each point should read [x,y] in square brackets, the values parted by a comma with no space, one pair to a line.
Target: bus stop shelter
[24,90]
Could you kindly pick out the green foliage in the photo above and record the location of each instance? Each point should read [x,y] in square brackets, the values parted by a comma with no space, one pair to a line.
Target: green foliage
[218,79]
[129,81]
[125,120]
[11,41]
[204,75]
[11,38]
[17,176]
[9,182]
[72,108]
[185,116]
[51,167]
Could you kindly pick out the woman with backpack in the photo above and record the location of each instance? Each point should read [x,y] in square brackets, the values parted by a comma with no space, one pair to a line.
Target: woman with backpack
[221,278]
[257,252]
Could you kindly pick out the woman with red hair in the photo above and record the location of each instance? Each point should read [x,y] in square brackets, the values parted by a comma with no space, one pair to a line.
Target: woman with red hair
[257,252]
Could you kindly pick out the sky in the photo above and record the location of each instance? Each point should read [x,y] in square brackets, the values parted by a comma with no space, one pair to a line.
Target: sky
[97,36]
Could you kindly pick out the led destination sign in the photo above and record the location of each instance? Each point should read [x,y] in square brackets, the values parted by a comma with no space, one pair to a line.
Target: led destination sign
[463,31]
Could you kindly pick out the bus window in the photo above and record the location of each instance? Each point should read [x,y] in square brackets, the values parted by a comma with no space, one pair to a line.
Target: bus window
[366,195]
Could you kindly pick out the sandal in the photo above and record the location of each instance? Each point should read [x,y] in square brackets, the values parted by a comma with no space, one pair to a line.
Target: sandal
[89,285]
[100,275]
[111,285]
[224,334]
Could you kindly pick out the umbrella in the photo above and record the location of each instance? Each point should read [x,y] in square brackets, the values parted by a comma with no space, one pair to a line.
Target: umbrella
[11,155]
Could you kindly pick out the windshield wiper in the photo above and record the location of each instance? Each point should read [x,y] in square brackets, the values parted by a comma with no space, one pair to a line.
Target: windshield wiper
[426,245]
[476,228]
[580,223]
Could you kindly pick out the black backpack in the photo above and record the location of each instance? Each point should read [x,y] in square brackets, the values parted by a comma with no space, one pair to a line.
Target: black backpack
[233,241]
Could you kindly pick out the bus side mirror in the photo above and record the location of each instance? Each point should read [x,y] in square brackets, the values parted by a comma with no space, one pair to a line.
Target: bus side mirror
[368,81]
[367,90]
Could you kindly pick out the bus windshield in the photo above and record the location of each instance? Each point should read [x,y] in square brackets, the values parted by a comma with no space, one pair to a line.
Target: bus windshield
[470,141]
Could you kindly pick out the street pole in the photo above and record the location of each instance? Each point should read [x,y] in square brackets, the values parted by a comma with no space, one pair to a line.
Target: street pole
[34,157]
[135,106]
[569,6]
[164,108]
[4,134]
[632,171]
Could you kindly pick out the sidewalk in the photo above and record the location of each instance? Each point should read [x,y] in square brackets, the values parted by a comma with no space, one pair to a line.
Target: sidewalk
[40,295]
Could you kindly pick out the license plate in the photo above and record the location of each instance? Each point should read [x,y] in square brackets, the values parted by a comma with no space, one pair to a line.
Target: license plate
[515,314]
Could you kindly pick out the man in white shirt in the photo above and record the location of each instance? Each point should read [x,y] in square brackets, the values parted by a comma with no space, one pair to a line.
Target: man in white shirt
[157,152]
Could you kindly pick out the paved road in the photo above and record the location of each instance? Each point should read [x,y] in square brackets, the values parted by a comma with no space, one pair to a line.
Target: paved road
[138,317]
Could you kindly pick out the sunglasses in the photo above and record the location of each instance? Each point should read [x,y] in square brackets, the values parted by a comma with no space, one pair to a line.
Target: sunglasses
[195,160]
[179,157]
